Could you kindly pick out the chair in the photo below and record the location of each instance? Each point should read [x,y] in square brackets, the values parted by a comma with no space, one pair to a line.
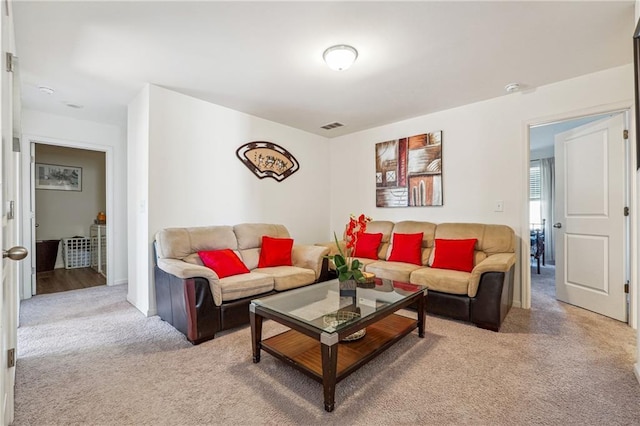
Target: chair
[537,243]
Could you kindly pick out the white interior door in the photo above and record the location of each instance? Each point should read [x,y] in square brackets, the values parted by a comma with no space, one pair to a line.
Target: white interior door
[8,300]
[9,220]
[590,232]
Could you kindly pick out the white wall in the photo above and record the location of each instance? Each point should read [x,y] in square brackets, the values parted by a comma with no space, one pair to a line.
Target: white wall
[195,178]
[485,153]
[138,171]
[51,128]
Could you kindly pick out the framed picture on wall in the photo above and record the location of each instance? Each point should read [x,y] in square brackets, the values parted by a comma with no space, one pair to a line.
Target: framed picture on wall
[409,171]
[60,178]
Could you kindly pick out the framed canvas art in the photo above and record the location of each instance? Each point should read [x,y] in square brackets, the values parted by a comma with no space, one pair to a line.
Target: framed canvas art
[409,171]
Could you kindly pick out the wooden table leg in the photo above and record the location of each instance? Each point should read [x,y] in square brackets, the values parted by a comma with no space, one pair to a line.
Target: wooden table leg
[256,334]
[421,308]
[329,368]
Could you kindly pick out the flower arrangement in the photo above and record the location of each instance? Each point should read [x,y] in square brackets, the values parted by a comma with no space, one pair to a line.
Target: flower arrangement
[346,266]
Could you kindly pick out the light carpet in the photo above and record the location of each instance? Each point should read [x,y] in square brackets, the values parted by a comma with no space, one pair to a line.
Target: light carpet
[89,357]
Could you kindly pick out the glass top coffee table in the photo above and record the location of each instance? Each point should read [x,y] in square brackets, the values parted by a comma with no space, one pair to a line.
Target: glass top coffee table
[335,328]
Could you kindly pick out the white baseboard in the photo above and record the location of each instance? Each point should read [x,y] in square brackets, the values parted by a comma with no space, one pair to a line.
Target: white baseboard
[149,312]
[517,304]
[121,281]
[636,371]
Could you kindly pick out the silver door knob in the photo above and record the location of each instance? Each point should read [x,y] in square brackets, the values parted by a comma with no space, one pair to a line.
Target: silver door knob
[557,225]
[15,253]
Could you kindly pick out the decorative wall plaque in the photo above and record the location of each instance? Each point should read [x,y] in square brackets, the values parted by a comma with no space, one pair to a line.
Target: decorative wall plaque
[266,159]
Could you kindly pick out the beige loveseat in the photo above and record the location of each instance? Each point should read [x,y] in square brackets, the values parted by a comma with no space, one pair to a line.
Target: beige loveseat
[482,296]
[196,301]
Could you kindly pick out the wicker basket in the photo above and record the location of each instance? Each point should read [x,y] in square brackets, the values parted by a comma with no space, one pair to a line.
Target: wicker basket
[335,319]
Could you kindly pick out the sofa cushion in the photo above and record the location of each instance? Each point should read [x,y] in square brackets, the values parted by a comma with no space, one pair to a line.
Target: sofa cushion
[224,263]
[428,230]
[193,259]
[240,286]
[250,235]
[461,231]
[275,252]
[407,248]
[454,254]
[178,243]
[287,277]
[444,280]
[250,257]
[491,238]
[396,271]
[367,245]
[364,261]
[498,239]
[385,228]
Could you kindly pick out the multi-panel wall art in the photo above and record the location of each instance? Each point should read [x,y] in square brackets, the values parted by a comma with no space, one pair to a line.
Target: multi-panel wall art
[409,171]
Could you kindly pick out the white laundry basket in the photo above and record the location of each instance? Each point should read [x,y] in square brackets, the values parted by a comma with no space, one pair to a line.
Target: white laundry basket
[76,252]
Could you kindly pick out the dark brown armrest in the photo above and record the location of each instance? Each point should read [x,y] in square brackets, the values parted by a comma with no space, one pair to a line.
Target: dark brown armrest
[494,299]
[187,304]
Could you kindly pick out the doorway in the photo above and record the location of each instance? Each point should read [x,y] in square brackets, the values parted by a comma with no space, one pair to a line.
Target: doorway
[549,196]
[68,197]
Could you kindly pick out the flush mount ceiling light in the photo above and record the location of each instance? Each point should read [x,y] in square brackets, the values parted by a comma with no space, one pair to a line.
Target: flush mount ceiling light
[512,87]
[340,57]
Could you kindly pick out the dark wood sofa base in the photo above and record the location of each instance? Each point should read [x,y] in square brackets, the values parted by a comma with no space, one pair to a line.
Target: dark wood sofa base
[487,310]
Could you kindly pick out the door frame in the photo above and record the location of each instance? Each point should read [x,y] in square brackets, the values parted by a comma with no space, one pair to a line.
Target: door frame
[630,154]
[28,194]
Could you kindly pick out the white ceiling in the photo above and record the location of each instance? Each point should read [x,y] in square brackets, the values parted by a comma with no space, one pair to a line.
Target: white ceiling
[265,58]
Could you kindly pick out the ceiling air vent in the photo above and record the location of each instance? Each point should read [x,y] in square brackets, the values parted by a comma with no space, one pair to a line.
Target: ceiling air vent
[332,125]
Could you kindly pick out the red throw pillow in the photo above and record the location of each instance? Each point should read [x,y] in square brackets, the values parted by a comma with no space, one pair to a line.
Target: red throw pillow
[275,252]
[367,245]
[224,263]
[407,248]
[454,254]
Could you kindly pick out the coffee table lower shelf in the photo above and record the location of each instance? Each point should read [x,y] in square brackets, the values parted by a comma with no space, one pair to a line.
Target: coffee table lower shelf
[304,352]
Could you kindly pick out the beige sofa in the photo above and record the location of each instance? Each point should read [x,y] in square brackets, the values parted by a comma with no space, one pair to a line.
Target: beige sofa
[482,296]
[197,302]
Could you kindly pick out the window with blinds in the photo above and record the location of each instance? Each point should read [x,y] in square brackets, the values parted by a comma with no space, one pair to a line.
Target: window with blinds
[535,194]
[535,188]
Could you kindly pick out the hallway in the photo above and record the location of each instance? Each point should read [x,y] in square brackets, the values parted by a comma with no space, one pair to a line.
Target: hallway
[67,279]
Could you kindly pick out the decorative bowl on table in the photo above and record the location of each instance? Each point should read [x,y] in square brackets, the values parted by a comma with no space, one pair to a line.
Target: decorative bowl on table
[335,319]
[369,280]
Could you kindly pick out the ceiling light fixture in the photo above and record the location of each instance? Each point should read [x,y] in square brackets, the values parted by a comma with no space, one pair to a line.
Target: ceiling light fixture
[340,57]
[45,89]
[512,87]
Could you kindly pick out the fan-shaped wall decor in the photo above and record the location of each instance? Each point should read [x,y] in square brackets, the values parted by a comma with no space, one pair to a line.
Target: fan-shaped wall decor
[266,159]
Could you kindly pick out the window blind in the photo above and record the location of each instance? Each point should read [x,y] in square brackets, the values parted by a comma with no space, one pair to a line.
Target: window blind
[535,187]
